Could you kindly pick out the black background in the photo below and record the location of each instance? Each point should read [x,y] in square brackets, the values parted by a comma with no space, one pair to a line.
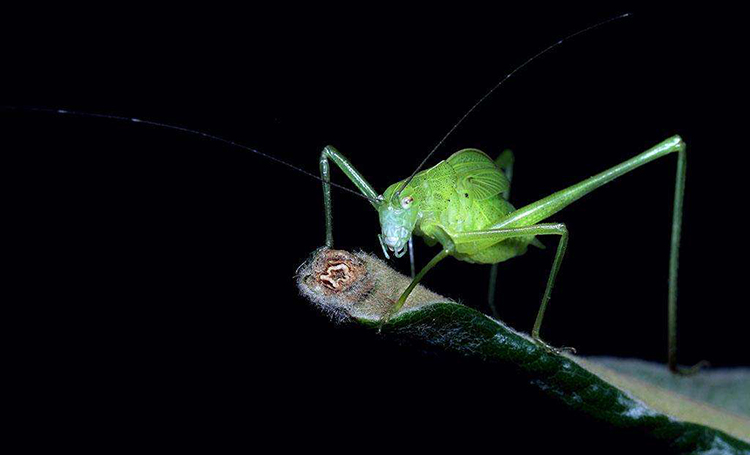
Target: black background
[162,264]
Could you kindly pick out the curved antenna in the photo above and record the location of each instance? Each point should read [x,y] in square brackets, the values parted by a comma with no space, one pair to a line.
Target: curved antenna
[502,81]
[184,130]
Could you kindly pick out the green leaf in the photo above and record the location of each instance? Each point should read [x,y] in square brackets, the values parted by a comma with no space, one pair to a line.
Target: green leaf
[705,413]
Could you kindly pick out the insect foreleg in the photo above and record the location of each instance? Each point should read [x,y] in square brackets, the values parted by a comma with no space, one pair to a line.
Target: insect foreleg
[411,255]
[330,152]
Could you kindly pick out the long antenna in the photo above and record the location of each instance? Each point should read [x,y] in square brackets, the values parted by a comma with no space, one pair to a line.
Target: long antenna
[502,81]
[181,129]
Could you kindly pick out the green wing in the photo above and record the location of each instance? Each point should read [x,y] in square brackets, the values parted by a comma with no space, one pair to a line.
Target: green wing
[478,173]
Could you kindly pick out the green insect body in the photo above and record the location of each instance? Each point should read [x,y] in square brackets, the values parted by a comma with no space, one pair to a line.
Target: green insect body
[461,194]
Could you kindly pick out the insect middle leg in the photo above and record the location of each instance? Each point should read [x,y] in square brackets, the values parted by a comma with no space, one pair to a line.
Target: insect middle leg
[495,236]
[559,229]
[411,256]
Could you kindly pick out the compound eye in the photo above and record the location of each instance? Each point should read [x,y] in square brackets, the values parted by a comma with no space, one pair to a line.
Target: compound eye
[406,202]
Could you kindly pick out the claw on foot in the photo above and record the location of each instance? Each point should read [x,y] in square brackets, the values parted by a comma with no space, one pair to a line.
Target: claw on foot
[551,349]
[387,316]
[691,370]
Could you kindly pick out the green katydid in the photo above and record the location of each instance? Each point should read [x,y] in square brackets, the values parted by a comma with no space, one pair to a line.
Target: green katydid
[462,204]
